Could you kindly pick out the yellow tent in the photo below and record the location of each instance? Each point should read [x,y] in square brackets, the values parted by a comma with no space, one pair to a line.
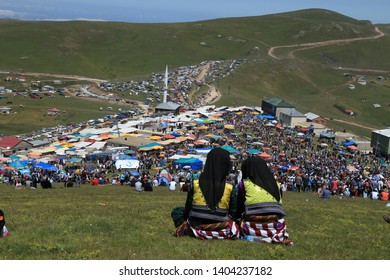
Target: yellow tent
[229,126]
[155,137]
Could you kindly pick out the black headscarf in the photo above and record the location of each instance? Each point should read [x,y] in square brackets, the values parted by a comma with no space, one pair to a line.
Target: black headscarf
[213,178]
[2,222]
[256,169]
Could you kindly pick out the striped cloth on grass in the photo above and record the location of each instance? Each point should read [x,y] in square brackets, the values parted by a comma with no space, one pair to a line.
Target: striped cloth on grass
[223,230]
[266,229]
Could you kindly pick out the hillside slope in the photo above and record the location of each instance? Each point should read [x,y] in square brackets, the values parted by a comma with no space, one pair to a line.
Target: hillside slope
[311,78]
[109,50]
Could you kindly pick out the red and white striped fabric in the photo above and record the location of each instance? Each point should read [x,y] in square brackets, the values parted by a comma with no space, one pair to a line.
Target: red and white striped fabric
[232,231]
[273,232]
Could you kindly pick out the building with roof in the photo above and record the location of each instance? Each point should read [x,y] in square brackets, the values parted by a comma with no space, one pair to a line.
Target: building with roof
[316,128]
[39,143]
[380,142]
[311,117]
[15,144]
[273,106]
[167,108]
[291,117]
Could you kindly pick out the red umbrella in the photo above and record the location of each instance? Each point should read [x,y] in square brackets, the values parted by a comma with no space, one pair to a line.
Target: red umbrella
[264,155]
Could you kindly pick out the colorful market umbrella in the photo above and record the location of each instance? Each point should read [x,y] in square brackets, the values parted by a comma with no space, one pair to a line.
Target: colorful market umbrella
[17,164]
[229,126]
[230,149]
[264,155]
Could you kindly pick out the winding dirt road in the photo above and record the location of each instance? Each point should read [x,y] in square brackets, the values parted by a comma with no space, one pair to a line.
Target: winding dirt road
[271,51]
[213,95]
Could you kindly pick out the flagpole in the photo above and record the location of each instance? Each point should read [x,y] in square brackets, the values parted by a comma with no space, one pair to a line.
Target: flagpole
[166,85]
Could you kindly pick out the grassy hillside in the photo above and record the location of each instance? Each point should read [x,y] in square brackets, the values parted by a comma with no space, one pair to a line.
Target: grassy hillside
[117,223]
[34,112]
[111,50]
[309,78]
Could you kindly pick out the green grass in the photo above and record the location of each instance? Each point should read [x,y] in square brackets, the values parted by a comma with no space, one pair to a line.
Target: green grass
[116,223]
[34,112]
[119,51]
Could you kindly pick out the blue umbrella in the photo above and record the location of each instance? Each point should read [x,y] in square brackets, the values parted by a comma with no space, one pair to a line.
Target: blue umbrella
[24,171]
[134,173]
[17,165]
[14,157]
[46,166]
[230,149]
[253,151]
[75,159]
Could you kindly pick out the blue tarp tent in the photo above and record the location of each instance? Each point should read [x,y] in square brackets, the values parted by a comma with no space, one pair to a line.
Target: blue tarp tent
[268,117]
[45,166]
[17,165]
[194,163]
[230,149]
[124,156]
[175,134]
[253,151]
[163,181]
[134,173]
[349,143]
[94,156]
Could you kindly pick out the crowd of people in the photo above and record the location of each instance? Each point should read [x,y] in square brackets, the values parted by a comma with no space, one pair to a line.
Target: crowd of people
[297,159]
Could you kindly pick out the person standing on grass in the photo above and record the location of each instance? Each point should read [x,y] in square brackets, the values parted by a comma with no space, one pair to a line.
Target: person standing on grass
[299,182]
[259,204]
[211,202]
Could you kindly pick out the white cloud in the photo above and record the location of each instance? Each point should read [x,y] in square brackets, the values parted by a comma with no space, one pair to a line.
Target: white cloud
[10,14]
[70,19]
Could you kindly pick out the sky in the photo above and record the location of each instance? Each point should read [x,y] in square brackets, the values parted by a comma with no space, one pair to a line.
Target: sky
[168,11]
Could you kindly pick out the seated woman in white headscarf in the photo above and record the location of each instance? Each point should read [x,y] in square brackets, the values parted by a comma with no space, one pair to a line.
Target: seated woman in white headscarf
[211,202]
[259,204]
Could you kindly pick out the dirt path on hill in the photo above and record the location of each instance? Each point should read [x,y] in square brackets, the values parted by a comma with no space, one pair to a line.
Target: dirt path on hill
[213,95]
[364,70]
[63,76]
[271,50]
[351,123]
[202,73]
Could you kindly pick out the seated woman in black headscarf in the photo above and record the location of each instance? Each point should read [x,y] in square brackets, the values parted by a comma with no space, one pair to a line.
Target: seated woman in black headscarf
[259,204]
[3,229]
[211,202]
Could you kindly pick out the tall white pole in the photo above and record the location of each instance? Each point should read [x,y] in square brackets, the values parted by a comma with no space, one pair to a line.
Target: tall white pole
[166,84]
